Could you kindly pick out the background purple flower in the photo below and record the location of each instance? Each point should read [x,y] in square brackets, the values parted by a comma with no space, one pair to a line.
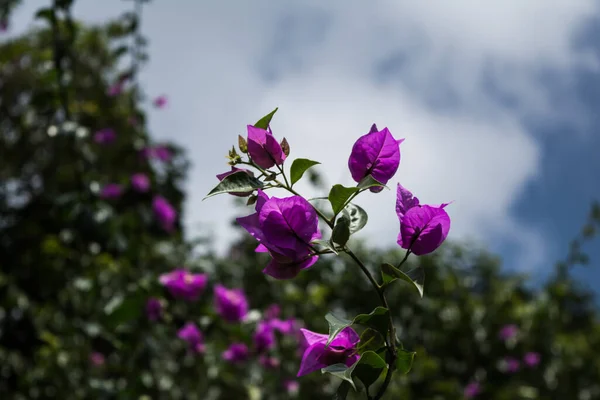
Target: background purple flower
[231,304]
[284,228]
[508,331]
[236,353]
[263,149]
[272,311]
[183,284]
[532,359]
[160,101]
[472,390]
[192,335]
[164,212]
[154,309]
[163,153]
[264,337]
[115,89]
[105,136]
[111,191]
[140,182]
[3,25]
[97,359]
[511,364]
[291,386]
[269,362]
[423,228]
[341,350]
[377,154]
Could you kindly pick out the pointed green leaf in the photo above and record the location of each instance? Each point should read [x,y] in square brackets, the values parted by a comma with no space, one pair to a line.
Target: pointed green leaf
[416,276]
[369,368]
[342,372]
[370,340]
[341,231]
[377,319]
[325,243]
[368,182]
[264,122]
[238,182]
[299,167]
[342,392]
[404,360]
[336,325]
[121,310]
[357,216]
[339,195]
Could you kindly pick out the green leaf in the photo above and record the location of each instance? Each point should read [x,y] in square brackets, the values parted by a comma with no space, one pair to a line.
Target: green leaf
[264,122]
[341,231]
[342,392]
[368,182]
[45,13]
[119,51]
[238,182]
[299,167]
[336,325]
[325,243]
[370,340]
[369,368]
[121,310]
[404,360]
[377,319]
[339,195]
[416,276]
[342,372]
[357,216]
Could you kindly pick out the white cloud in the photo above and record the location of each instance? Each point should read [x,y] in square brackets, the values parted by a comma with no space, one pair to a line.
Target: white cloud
[211,59]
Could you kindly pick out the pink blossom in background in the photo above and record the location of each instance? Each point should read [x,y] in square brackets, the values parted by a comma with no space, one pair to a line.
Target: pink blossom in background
[264,337]
[508,331]
[140,182]
[165,213]
[3,26]
[269,361]
[183,284]
[511,364]
[192,335]
[472,390]
[115,89]
[97,359]
[105,136]
[272,311]
[231,304]
[236,353]
[111,191]
[160,101]
[154,309]
[292,387]
[163,153]
[532,359]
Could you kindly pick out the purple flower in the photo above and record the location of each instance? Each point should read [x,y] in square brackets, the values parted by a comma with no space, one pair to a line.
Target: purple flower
[342,350]
[269,362]
[263,149]
[264,337]
[272,311]
[192,335]
[97,359]
[423,228]
[105,136]
[508,331]
[511,364]
[231,304]
[284,228]
[291,386]
[115,89]
[3,25]
[140,182]
[285,327]
[183,284]
[164,212]
[222,176]
[163,153]
[160,101]
[377,154]
[111,191]
[236,353]
[472,390]
[154,309]
[532,359]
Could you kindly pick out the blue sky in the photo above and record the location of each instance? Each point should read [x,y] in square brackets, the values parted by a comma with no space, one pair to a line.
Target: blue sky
[497,101]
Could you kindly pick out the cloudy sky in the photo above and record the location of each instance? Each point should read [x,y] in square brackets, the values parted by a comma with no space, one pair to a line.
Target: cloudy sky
[497,101]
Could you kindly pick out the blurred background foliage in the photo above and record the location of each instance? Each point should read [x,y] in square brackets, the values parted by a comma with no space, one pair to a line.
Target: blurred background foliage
[77,269]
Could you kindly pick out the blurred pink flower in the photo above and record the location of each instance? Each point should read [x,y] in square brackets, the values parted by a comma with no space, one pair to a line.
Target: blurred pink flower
[472,390]
[508,331]
[97,359]
[532,359]
[511,364]
[160,101]
[115,89]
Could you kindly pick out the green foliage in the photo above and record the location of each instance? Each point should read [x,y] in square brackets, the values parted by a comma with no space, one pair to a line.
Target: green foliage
[238,182]
[416,276]
[264,122]
[339,196]
[299,167]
